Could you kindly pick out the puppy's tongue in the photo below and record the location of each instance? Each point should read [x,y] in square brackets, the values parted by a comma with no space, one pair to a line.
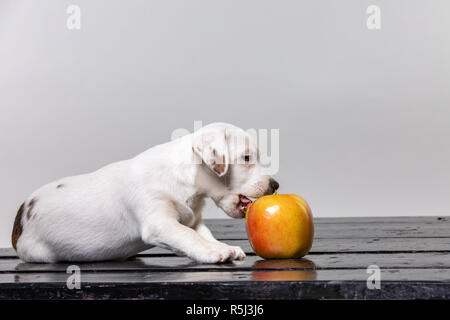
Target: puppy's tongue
[246,201]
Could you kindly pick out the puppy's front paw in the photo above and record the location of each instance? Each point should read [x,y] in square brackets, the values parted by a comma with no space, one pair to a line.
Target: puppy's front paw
[218,254]
[238,253]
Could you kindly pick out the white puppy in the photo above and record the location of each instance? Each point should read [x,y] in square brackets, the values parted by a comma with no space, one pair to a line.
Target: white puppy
[153,199]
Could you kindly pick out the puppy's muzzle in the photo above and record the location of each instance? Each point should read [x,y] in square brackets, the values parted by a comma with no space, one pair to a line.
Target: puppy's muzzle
[273,186]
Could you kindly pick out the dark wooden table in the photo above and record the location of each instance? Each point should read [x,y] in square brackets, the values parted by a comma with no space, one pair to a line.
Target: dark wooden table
[413,254]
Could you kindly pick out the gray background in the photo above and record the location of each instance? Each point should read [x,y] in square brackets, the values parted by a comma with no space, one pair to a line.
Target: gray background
[364,116]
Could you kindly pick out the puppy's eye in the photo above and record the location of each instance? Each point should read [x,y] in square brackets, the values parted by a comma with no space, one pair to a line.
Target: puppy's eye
[246,157]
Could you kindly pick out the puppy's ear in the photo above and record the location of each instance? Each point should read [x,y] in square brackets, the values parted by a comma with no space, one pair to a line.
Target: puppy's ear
[212,148]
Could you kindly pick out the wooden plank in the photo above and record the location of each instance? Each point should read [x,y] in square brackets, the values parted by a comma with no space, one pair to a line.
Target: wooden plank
[441,275]
[7,253]
[240,226]
[235,229]
[351,233]
[298,284]
[387,220]
[184,264]
[379,245]
[358,220]
[321,246]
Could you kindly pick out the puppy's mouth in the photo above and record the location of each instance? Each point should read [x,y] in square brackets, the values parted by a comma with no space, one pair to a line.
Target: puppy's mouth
[243,204]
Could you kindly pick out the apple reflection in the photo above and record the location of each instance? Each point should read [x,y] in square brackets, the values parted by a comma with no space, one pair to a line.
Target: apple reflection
[284,270]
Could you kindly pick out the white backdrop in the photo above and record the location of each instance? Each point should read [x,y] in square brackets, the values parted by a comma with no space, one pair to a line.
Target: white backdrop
[364,115]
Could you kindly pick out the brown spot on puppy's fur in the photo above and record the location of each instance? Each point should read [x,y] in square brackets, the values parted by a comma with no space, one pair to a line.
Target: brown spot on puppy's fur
[59,186]
[30,208]
[17,228]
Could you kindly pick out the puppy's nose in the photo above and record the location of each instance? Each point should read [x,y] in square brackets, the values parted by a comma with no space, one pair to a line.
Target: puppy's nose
[274,184]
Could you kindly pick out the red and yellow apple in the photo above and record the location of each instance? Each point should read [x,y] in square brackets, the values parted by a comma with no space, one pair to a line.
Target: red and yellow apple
[280,226]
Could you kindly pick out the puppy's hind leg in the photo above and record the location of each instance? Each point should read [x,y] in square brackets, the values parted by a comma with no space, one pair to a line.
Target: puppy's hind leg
[35,252]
